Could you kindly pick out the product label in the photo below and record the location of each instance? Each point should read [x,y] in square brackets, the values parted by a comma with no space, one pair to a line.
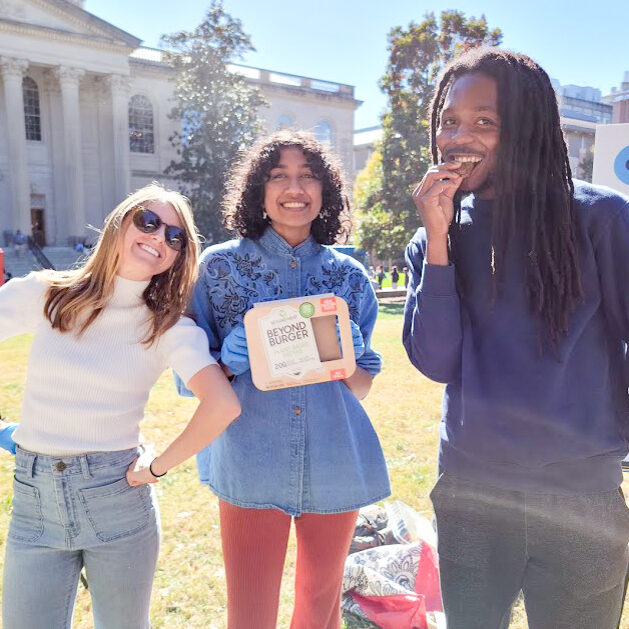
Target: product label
[328,304]
[289,342]
[337,374]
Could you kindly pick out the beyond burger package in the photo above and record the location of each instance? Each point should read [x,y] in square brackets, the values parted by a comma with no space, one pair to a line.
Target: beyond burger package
[299,341]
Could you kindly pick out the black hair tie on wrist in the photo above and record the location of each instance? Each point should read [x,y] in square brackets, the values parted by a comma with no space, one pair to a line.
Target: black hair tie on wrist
[152,472]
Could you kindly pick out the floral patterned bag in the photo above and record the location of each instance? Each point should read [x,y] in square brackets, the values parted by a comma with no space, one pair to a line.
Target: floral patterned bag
[392,586]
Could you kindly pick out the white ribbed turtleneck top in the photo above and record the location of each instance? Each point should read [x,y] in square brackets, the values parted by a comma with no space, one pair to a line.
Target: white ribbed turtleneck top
[87,394]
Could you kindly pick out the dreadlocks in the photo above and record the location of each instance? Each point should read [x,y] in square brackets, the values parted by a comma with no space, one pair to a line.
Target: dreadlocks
[532,182]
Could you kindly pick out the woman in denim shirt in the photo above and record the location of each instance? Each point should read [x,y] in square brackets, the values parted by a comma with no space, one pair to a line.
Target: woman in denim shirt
[308,452]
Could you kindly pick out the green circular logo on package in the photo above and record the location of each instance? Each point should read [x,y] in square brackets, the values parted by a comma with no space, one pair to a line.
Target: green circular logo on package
[306,310]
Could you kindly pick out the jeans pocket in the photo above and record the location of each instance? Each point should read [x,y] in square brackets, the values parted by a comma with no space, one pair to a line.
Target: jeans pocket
[116,510]
[27,523]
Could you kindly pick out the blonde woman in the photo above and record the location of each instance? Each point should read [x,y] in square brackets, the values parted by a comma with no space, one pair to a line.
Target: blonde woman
[102,336]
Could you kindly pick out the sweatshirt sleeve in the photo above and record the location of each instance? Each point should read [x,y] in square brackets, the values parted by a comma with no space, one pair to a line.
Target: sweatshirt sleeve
[612,259]
[432,333]
[21,305]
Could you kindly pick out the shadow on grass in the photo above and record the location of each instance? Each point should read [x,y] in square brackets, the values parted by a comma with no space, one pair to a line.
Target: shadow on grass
[392,309]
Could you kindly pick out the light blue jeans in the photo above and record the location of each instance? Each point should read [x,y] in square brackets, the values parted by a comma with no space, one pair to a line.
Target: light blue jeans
[70,512]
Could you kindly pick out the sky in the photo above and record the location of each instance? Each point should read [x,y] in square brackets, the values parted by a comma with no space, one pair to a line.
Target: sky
[345,41]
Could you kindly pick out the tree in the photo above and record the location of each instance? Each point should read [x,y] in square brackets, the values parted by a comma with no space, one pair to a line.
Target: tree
[368,205]
[586,166]
[416,55]
[377,231]
[217,110]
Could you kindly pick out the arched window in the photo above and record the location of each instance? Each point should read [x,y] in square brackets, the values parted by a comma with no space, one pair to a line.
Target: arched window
[32,118]
[140,125]
[284,121]
[324,132]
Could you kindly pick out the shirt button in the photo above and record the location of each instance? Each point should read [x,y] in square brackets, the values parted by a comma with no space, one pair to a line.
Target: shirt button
[293,264]
[297,410]
[60,466]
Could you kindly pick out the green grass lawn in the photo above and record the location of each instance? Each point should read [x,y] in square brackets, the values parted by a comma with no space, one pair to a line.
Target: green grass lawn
[189,586]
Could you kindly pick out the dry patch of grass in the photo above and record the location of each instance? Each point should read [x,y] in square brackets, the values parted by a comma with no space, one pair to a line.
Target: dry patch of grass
[189,585]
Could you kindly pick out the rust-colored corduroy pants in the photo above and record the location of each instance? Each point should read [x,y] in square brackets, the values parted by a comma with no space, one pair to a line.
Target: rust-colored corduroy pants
[254,550]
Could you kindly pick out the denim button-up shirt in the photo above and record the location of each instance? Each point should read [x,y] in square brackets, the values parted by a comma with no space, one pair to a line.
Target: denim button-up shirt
[301,449]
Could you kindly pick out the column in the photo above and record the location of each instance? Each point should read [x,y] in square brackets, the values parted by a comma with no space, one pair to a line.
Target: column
[57,219]
[120,87]
[73,162]
[12,73]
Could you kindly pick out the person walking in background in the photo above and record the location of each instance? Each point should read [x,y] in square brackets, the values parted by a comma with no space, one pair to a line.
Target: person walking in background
[103,333]
[395,277]
[372,277]
[405,272]
[380,275]
[518,302]
[283,458]
[20,243]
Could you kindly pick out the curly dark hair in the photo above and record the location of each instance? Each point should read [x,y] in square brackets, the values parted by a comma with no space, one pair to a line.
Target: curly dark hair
[244,201]
[533,182]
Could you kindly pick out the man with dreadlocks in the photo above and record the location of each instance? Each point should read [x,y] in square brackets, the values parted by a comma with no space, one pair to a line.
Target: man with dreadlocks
[519,302]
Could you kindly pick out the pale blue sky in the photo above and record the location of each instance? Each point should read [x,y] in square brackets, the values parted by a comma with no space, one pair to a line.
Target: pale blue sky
[580,42]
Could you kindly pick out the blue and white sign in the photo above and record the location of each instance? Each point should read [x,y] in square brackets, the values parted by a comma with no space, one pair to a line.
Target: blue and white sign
[621,165]
[611,156]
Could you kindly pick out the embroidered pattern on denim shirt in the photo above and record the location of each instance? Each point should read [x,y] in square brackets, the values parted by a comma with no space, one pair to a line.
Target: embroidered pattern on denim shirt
[235,282]
[235,275]
[343,280]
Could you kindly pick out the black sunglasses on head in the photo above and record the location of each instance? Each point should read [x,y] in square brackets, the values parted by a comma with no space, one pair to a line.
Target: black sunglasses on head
[148,223]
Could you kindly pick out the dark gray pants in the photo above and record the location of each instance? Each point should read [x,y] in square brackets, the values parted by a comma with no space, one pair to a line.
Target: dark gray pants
[567,554]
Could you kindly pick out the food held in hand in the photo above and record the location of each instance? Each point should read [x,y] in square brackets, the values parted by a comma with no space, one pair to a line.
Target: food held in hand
[468,163]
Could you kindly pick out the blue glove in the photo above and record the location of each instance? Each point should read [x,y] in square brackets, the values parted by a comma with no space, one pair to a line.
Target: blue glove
[234,352]
[6,437]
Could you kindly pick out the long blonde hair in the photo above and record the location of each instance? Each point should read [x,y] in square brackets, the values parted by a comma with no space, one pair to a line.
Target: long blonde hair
[76,297]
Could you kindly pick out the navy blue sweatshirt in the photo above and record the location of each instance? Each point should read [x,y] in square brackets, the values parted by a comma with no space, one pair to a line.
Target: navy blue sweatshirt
[514,417]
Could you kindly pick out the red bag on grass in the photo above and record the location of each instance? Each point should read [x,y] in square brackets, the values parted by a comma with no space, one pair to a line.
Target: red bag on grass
[397,585]
[395,611]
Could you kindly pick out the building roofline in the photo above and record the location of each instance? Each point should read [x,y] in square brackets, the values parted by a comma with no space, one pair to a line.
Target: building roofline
[585,101]
[265,76]
[57,33]
[372,128]
[289,75]
[95,22]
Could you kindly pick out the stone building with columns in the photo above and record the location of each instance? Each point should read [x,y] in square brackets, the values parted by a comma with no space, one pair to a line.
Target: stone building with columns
[84,117]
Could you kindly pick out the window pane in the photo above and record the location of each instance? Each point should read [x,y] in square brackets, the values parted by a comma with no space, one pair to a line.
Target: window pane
[284,121]
[140,125]
[32,119]
[323,132]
